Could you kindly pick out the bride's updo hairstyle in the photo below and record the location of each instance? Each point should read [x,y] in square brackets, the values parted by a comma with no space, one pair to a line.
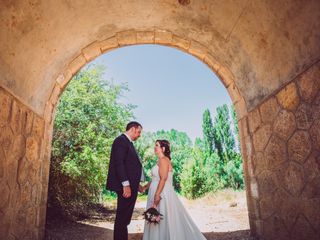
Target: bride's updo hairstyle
[166,145]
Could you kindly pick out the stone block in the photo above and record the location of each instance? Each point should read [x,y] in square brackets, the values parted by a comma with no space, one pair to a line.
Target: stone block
[309,84]
[267,206]
[55,94]
[312,166]
[234,93]
[292,178]
[243,127]
[77,64]
[315,133]
[28,122]
[18,148]
[254,188]
[269,110]
[284,124]
[5,106]
[275,153]
[5,196]
[38,127]
[215,66]
[32,149]
[23,171]
[224,74]
[303,230]
[127,38]
[16,118]
[109,44]
[290,210]
[299,146]
[145,37]
[288,97]
[316,107]
[91,51]
[181,43]
[163,37]
[274,229]
[198,50]
[259,163]
[304,116]
[241,108]
[311,210]
[267,183]
[312,189]
[25,195]
[2,163]
[6,138]
[261,137]
[254,120]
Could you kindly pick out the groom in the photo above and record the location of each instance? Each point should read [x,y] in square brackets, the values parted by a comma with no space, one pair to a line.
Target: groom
[124,176]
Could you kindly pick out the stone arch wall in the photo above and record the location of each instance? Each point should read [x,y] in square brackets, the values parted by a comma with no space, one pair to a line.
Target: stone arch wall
[281,143]
[30,228]
[269,64]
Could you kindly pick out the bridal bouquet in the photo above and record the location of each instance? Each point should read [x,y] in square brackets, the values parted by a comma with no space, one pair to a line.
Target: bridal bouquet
[152,215]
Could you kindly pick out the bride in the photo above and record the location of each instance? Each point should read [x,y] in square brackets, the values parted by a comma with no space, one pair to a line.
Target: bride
[176,223]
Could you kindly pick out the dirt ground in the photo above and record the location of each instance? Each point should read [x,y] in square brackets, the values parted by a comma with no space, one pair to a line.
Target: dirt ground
[220,216]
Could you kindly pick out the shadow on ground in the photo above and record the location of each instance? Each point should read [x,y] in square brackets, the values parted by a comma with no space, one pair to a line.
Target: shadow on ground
[68,230]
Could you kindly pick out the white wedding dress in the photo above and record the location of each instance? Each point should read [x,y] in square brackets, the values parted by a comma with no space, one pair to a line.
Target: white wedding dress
[176,223]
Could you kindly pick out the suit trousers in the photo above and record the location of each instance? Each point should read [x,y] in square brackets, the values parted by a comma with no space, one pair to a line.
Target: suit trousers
[124,212]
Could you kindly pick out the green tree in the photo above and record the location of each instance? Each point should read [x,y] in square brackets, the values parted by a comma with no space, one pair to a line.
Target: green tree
[88,119]
[235,127]
[208,131]
[223,132]
[181,147]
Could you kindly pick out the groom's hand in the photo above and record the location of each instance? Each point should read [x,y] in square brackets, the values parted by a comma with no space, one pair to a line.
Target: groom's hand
[141,189]
[126,192]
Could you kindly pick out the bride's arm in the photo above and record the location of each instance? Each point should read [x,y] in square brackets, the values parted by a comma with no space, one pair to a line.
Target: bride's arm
[163,173]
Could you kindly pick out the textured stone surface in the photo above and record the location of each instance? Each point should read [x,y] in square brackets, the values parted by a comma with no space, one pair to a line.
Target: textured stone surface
[274,228]
[292,178]
[20,137]
[257,53]
[309,83]
[255,59]
[6,138]
[269,110]
[254,120]
[312,165]
[5,107]
[315,134]
[261,137]
[303,230]
[288,97]
[304,116]
[267,183]
[285,124]
[316,107]
[275,153]
[5,195]
[299,146]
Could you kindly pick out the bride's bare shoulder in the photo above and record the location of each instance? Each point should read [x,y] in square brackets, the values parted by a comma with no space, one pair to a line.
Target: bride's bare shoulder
[164,161]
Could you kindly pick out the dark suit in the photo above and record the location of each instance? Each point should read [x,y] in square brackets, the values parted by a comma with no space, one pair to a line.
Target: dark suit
[124,165]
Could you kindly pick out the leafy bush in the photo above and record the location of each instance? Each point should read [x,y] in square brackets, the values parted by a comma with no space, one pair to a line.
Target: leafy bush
[88,118]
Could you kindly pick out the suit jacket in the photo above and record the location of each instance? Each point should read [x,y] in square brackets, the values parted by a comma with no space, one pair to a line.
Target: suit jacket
[124,165]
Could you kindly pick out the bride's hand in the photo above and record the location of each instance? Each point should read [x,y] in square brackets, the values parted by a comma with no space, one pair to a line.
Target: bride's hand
[157,199]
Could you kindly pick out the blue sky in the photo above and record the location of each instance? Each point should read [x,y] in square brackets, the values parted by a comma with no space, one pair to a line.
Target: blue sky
[170,88]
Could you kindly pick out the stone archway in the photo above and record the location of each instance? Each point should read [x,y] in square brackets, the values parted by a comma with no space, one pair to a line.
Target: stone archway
[269,67]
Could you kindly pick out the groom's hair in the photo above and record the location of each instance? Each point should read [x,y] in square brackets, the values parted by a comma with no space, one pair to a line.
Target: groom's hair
[133,124]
